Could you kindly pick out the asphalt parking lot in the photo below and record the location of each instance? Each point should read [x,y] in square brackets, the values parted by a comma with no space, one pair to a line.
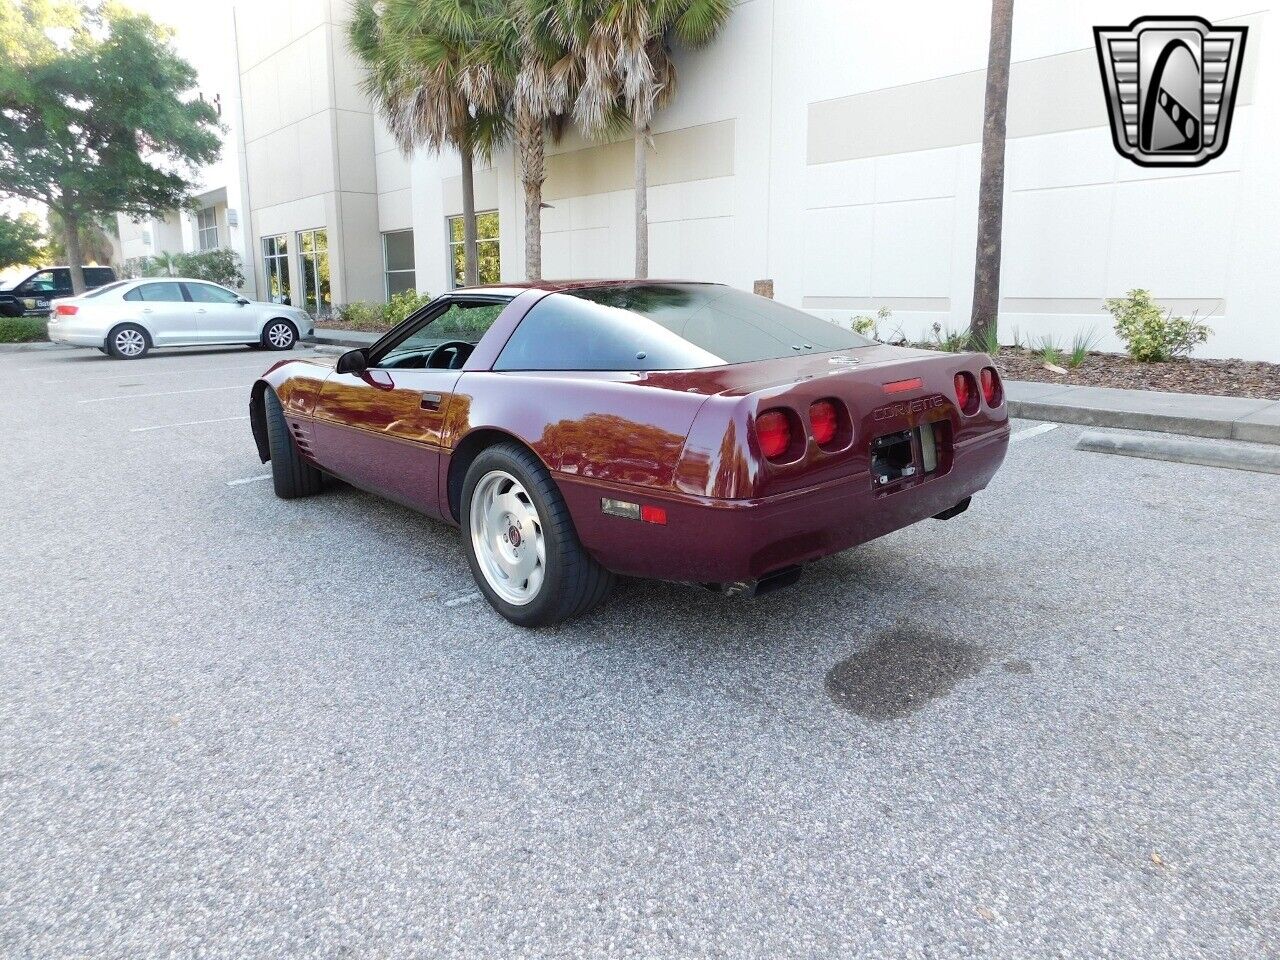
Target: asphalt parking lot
[232,726]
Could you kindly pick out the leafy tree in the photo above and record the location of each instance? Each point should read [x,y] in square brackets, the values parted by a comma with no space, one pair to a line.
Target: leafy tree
[95,242]
[21,240]
[426,71]
[986,271]
[92,116]
[624,50]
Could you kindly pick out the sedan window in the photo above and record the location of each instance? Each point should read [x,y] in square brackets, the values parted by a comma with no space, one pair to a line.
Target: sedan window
[208,293]
[166,292]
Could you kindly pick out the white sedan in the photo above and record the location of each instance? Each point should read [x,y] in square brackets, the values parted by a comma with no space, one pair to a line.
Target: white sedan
[129,318]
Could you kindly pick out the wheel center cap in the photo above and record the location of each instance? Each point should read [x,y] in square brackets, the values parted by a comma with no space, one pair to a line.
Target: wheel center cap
[513,536]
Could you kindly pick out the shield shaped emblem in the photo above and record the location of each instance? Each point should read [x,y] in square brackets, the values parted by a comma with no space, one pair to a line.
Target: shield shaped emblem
[1171,87]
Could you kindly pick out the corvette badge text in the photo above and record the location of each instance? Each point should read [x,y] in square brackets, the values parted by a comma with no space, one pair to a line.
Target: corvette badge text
[1170,84]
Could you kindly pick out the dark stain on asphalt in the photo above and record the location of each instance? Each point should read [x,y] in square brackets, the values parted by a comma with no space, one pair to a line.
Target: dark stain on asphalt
[901,671]
[1016,666]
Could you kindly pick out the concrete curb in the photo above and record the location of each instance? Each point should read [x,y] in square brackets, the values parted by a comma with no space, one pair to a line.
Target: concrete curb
[1196,415]
[37,345]
[1182,451]
[343,338]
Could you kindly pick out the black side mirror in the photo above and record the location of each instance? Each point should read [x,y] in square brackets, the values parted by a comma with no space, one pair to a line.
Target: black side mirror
[243,301]
[353,361]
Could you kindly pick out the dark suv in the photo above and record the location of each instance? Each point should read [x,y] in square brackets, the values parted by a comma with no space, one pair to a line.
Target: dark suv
[31,296]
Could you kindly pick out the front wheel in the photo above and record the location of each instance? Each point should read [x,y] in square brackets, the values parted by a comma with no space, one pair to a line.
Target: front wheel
[279,335]
[291,475]
[521,544]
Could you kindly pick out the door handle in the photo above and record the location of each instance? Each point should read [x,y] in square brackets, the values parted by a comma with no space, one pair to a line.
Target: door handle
[201,310]
[147,310]
[431,401]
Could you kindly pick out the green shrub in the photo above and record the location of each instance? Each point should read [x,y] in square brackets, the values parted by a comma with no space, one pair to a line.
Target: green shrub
[1082,341]
[404,303]
[1049,351]
[363,316]
[217,266]
[23,329]
[870,326]
[948,339]
[1151,334]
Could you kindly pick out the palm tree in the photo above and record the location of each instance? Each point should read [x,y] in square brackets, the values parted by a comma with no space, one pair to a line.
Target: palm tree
[427,74]
[164,264]
[986,272]
[623,49]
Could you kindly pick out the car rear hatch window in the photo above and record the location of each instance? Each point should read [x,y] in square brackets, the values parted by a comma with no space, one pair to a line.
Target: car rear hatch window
[673,326]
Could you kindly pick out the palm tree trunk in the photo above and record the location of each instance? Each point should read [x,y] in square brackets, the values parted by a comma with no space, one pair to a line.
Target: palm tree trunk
[986,273]
[75,257]
[642,202]
[529,139]
[471,256]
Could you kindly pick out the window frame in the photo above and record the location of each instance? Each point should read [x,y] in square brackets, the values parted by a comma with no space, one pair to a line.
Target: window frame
[202,230]
[450,244]
[155,282]
[428,314]
[386,263]
[315,254]
[282,258]
[187,286]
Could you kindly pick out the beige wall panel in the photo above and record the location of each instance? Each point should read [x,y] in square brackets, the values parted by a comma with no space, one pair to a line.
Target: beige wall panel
[486,190]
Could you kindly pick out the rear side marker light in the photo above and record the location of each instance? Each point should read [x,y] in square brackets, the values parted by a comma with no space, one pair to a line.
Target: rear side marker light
[904,386]
[992,390]
[825,421]
[773,430]
[66,310]
[633,511]
[966,393]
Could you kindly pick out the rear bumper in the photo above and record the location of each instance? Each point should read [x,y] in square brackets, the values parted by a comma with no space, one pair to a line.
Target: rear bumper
[76,338]
[731,541]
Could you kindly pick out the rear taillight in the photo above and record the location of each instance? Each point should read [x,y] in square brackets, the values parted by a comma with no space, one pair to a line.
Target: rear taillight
[773,430]
[66,310]
[825,421]
[966,393]
[992,391]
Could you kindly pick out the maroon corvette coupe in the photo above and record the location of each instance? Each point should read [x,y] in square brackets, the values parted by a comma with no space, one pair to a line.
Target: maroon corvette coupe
[683,431]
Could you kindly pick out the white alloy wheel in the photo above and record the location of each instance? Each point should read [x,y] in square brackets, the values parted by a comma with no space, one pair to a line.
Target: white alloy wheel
[506,533]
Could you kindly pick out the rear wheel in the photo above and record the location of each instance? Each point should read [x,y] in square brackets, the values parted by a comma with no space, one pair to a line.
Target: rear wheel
[279,335]
[291,475]
[128,342]
[521,544]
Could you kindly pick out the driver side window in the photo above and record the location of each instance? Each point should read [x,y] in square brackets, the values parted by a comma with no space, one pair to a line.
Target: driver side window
[463,321]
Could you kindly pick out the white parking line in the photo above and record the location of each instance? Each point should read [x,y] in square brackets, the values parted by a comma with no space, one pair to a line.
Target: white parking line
[242,480]
[130,375]
[166,393]
[1035,431]
[465,598]
[184,423]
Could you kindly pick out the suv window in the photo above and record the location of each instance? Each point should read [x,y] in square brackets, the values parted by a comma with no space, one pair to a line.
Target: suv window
[45,281]
[165,292]
[664,327]
[97,276]
[208,293]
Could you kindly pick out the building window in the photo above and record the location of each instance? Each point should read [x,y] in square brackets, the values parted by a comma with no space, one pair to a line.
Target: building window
[313,255]
[207,229]
[397,260]
[275,268]
[486,248]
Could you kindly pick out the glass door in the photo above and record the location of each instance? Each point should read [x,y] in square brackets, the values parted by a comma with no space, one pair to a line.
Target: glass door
[313,256]
[275,267]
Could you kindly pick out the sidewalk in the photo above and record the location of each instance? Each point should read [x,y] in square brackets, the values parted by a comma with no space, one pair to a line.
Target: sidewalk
[1190,414]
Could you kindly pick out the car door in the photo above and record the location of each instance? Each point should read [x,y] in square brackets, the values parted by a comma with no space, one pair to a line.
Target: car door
[162,308]
[384,428]
[221,316]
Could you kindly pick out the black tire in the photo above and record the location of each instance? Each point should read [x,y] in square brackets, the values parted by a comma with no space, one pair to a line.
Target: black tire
[573,583]
[274,335]
[128,341]
[291,475]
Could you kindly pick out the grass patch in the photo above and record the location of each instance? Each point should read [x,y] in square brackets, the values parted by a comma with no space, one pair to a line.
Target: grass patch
[23,329]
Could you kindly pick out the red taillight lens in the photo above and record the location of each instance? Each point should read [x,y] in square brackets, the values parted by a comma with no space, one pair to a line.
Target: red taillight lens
[966,393]
[652,514]
[825,421]
[773,429]
[66,310]
[991,388]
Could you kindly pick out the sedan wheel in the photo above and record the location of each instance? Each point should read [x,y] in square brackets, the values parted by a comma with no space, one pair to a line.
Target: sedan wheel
[506,534]
[127,343]
[279,335]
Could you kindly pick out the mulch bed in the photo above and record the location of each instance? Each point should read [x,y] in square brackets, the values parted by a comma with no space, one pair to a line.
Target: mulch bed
[1225,378]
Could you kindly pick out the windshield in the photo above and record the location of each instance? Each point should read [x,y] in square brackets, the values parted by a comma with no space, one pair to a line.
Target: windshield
[675,326]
